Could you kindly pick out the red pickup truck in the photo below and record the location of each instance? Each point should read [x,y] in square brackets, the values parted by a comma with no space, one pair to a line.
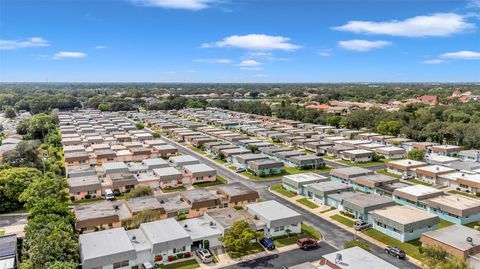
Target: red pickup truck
[306,243]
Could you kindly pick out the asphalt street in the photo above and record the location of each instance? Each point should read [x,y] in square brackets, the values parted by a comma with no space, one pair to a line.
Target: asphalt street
[288,258]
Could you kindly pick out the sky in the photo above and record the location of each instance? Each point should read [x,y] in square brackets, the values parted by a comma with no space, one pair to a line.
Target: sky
[239,41]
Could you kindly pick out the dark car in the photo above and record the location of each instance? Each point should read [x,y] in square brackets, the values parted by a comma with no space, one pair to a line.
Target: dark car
[306,243]
[267,243]
[395,252]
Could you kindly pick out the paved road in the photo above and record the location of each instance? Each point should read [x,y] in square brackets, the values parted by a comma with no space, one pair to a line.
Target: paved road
[288,258]
[332,234]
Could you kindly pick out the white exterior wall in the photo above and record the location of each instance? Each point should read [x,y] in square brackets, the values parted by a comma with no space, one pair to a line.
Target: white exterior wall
[294,229]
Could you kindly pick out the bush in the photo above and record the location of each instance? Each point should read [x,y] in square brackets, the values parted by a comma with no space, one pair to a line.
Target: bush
[182,216]
[187,255]
[171,258]
[261,174]
[347,214]
[179,255]
[477,194]
[237,207]
[88,196]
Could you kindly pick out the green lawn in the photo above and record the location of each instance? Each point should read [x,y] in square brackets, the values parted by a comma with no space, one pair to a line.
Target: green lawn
[472,224]
[281,190]
[365,164]
[305,201]
[384,172]
[418,182]
[2,232]
[179,188]
[307,231]
[295,170]
[327,210]
[443,224]
[189,264]
[343,220]
[252,249]
[410,247]
[463,193]
[197,150]
[87,201]
[220,181]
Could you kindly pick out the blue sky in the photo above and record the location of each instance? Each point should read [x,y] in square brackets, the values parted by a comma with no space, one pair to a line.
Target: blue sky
[239,40]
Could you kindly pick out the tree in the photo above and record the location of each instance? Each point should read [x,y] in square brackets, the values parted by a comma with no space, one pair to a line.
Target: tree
[239,236]
[252,148]
[141,217]
[10,113]
[13,182]
[416,154]
[47,188]
[140,125]
[356,243]
[103,107]
[389,128]
[140,190]
[435,257]
[25,154]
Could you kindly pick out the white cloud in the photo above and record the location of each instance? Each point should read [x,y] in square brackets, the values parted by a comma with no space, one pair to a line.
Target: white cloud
[263,55]
[249,63]
[253,68]
[176,4]
[433,61]
[68,54]
[440,24]
[473,4]
[99,47]
[363,45]
[325,52]
[254,42]
[462,55]
[20,44]
[214,61]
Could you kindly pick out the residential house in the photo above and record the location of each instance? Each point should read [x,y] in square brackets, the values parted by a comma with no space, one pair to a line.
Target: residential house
[200,200]
[455,208]
[472,155]
[297,183]
[265,167]
[404,167]
[446,150]
[236,194]
[350,258]
[404,223]
[415,195]
[357,155]
[307,161]
[279,219]
[8,252]
[431,173]
[168,177]
[165,151]
[180,161]
[197,173]
[319,192]
[84,187]
[391,152]
[346,174]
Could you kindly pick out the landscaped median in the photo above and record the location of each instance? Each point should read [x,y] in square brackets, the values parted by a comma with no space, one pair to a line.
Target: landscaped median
[252,249]
[343,220]
[306,202]
[219,181]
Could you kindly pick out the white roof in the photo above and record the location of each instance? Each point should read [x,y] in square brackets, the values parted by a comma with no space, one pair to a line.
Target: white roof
[408,162]
[358,151]
[305,177]
[272,210]
[104,243]
[200,228]
[418,190]
[436,169]
[358,258]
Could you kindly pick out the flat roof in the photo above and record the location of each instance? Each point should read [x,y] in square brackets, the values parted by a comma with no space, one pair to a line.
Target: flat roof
[358,258]
[198,195]
[272,210]
[162,231]
[407,162]
[199,168]
[94,210]
[455,236]
[456,201]
[305,177]
[418,190]
[166,171]
[404,214]
[104,243]
[182,158]
[435,169]
[200,228]
[236,188]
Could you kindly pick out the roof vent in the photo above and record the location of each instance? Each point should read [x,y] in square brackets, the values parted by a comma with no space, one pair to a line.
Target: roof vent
[438,168]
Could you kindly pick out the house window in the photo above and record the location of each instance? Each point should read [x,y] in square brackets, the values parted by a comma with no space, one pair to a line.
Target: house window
[120,264]
[280,228]
[177,250]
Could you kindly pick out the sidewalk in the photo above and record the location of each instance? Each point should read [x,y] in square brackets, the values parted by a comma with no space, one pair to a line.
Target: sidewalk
[225,260]
[327,216]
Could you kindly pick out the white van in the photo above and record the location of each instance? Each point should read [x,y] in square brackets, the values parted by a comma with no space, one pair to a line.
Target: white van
[109,194]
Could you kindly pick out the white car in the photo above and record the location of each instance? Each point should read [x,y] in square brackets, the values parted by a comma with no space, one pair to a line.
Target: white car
[204,255]
[109,194]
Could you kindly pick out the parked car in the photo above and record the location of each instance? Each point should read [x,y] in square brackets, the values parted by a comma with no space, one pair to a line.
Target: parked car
[240,170]
[406,176]
[267,243]
[109,194]
[395,252]
[361,225]
[306,243]
[146,265]
[204,255]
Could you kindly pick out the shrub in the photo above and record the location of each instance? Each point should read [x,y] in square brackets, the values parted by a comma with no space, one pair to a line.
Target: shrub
[171,258]
[187,255]
[182,216]
[261,174]
[237,207]
[357,243]
[179,255]
[88,196]
[477,194]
